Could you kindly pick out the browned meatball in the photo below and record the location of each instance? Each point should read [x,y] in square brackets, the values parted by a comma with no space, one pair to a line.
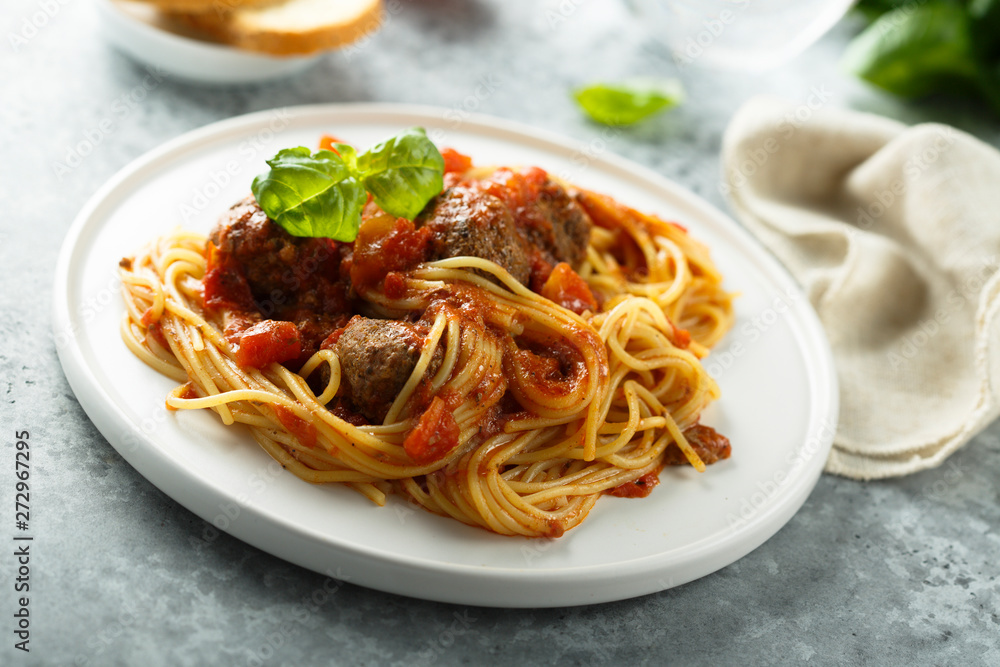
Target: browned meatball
[570,223]
[377,357]
[465,222]
[290,278]
[273,261]
[556,224]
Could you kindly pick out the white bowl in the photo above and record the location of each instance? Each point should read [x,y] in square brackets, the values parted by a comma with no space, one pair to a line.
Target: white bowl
[136,29]
[744,35]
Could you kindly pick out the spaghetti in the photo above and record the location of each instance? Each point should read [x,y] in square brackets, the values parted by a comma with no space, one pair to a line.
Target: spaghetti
[522,399]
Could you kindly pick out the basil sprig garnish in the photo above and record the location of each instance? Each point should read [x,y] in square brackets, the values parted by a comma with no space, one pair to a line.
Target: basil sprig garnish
[322,194]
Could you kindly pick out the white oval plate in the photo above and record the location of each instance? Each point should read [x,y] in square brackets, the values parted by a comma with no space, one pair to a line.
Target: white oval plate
[778,405]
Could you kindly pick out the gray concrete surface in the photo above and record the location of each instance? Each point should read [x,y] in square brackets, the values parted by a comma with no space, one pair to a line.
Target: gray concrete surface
[898,572]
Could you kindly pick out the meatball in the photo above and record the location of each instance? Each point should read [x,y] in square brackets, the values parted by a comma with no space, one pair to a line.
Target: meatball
[556,224]
[377,357]
[570,223]
[289,277]
[273,261]
[465,222]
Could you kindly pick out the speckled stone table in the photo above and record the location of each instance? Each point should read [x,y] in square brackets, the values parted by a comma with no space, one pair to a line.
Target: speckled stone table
[896,572]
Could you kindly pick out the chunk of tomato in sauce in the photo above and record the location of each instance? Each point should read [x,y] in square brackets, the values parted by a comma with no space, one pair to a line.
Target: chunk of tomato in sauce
[551,367]
[710,446]
[327,143]
[302,429]
[268,341]
[384,245]
[395,285]
[225,286]
[638,488]
[517,189]
[455,162]
[566,288]
[682,337]
[435,435]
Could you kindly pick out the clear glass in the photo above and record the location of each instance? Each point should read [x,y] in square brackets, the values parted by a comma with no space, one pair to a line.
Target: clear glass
[752,35]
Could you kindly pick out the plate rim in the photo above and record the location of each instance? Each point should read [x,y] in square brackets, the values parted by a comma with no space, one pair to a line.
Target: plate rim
[104,411]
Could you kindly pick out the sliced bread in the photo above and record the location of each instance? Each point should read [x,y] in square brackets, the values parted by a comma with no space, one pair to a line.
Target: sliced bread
[204,6]
[289,27]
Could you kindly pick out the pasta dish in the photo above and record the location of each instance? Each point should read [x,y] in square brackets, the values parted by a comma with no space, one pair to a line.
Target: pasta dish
[505,357]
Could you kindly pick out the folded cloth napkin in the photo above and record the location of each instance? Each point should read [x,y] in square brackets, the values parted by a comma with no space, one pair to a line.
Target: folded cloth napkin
[894,234]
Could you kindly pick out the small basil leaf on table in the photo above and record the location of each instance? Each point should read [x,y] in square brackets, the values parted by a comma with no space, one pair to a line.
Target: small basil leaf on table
[628,102]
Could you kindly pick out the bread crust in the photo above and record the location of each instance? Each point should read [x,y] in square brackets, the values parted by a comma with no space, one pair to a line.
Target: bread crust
[204,6]
[240,28]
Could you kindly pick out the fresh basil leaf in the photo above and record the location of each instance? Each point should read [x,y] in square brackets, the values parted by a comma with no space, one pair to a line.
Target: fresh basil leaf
[917,51]
[875,8]
[403,172]
[629,102]
[311,194]
[988,85]
[349,156]
[985,15]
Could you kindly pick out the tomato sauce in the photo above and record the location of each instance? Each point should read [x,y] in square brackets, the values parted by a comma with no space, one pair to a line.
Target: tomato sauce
[302,429]
[455,162]
[566,288]
[156,333]
[554,367]
[708,444]
[639,488]
[267,341]
[435,435]
[384,245]
[225,286]
[682,337]
[186,392]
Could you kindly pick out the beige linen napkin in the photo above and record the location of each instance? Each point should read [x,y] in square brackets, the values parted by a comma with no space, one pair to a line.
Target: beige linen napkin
[894,233]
